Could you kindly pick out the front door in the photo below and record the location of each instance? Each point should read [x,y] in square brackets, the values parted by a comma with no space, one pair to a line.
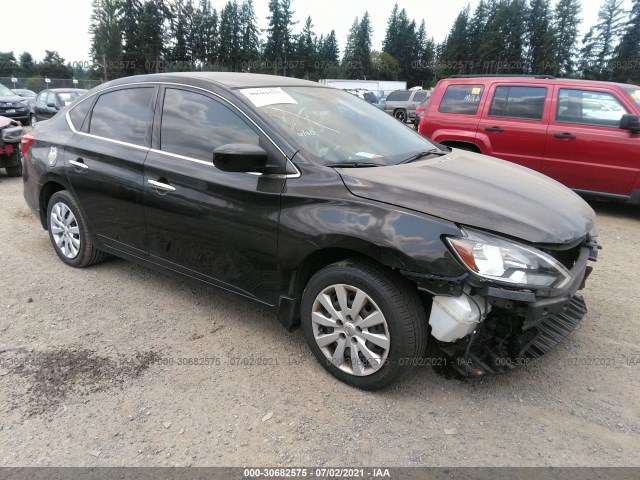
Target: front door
[217,226]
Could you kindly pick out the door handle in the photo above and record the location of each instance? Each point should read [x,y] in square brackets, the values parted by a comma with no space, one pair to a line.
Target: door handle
[494,129]
[570,136]
[161,186]
[79,163]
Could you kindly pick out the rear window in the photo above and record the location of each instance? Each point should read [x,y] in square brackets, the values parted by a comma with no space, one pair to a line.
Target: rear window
[399,97]
[122,115]
[462,99]
[78,113]
[518,102]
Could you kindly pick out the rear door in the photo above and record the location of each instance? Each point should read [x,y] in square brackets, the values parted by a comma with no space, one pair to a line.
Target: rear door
[586,149]
[105,165]
[514,123]
[219,227]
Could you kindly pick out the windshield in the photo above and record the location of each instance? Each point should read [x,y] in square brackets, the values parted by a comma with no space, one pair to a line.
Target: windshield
[332,126]
[5,92]
[634,93]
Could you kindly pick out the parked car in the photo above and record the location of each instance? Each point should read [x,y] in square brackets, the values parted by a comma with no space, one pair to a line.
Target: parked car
[29,95]
[402,103]
[303,198]
[13,106]
[585,134]
[420,111]
[49,102]
[10,136]
[364,94]
[381,102]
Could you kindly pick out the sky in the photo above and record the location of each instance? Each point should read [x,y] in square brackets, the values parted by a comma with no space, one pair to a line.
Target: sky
[65,26]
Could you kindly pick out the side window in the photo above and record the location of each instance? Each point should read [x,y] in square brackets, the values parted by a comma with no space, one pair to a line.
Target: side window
[399,96]
[463,99]
[518,102]
[589,108]
[122,115]
[194,125]
[42,97]
[420,96]
[78,113]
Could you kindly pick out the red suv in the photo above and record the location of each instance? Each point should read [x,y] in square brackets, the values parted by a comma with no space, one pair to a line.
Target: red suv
[585,134]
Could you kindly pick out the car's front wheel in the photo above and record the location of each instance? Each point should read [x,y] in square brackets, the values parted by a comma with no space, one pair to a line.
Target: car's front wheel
[68,232]
[400,115]
[366,326]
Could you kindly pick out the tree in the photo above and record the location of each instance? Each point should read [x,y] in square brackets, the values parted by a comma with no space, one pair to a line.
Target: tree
[132,56]
[306,53]
[566,22]
[402,43]
[600,41]
[357,55]
[184,33]
[8,64]
[626,60]
[230,36]
[106,37]
[541,39]
[250,35]
[205,35]
[279,45]
[152,38]
[456,49]
[328,56]
[27,63]
[53,66]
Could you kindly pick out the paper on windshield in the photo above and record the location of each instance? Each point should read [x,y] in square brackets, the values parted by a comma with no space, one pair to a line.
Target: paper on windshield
[262,97]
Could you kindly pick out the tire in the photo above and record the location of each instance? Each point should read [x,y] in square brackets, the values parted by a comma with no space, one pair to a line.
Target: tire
[68,232]
[393,315]
[400,115]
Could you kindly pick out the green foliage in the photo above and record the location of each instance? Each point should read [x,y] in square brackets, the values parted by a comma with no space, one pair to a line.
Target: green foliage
[566,22]
[626,59]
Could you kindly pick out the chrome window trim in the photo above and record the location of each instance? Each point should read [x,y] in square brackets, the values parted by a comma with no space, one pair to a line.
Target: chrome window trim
[159,83]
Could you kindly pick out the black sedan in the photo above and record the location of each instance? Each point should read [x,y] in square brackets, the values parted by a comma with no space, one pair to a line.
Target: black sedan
[382,244]
[49,102]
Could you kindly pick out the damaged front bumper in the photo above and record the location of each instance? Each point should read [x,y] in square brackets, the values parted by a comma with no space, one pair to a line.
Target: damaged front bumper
[482,328]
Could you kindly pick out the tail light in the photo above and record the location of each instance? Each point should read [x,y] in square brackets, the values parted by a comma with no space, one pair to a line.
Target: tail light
[25,143]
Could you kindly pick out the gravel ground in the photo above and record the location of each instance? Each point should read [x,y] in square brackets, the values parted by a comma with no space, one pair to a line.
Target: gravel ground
[91,375]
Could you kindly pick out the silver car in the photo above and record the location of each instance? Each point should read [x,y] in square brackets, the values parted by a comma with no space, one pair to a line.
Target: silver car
[402,103]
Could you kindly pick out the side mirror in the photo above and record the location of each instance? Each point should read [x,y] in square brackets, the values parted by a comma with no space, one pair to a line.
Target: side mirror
[52,105]
[240,157]
[630,122]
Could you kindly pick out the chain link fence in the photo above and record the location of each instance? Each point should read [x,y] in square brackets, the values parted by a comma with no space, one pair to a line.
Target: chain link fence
[38,84]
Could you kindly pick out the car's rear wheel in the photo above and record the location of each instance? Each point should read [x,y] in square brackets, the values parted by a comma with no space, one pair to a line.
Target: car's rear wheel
[68,232]
[401,115]
[363,324]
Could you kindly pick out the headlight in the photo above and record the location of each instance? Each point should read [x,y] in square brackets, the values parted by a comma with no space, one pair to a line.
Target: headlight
[501,260]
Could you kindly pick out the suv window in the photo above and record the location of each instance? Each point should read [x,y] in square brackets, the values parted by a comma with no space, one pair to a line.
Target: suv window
[122,115]
[463,99]
[194,125]
[420,96]
[518,102]
[589,108]
[399,96]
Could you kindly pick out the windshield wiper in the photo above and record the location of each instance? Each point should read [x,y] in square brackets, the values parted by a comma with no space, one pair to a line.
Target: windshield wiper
[419,155]
[354,165]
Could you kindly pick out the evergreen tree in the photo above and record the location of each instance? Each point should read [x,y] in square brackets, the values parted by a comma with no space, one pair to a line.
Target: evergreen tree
[230,36]
[106,37]
[402,43]
[132,56]
[456,49]
[626,60]
[357,56]
[279,44]
[205,35]
[250,35]
[27,63]
[184,33]
[599,43]
[306,53]
[566,22]
[541,38]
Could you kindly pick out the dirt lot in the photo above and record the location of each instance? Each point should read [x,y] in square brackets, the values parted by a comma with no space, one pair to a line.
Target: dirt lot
[91,374]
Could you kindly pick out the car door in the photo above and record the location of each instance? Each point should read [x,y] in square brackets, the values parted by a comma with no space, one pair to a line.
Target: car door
[220,227]
[586,149]
[514,124]
[40,105]
[104,165]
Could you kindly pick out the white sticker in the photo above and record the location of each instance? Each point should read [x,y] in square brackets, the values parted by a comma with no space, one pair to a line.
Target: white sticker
[368,155]
[261,97]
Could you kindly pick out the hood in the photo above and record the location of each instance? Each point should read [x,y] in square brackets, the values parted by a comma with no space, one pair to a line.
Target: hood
[16,100]
[479,191]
